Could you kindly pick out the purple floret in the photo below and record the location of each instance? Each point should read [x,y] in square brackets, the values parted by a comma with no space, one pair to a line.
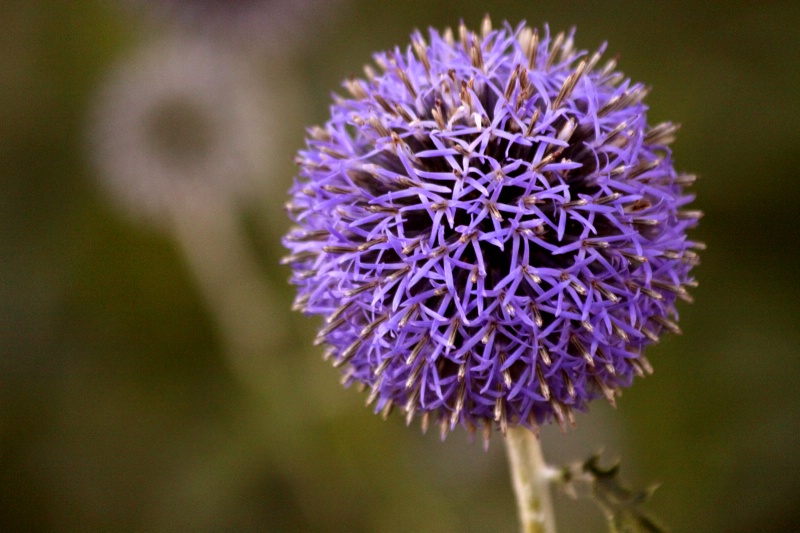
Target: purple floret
[490,229]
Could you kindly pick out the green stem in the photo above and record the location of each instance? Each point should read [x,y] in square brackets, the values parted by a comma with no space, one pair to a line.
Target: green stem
[531,479]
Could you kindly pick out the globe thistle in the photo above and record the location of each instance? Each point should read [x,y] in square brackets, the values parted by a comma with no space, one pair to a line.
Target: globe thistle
[490,229]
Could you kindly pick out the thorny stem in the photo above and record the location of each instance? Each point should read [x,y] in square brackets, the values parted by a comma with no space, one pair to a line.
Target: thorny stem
[531,478]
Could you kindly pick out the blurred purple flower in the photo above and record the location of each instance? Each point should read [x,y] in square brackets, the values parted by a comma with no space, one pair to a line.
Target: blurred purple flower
[490,229]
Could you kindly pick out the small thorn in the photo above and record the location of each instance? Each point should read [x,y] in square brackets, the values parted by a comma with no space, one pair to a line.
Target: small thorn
[649,334]
[608,392]
[569,85]
[537,316]
[575,203]
[414,375]
[409,416]
[381,368]
[339,249]
[411,404]
[512,83]
[417,349]
[328,353]
[596,244]
[611,135]
[463,36]
[443,428]
[578,287]
[607,294]
[646,366]
[558,412]
[568,383]
[348,353]
[489,330]
[506,373]
[421,50]
[667,324]
[662,134]
[398,273]
[473,277]
[641,366]
[387,409]
[648,292]
[544,354]
[476,56]
[406,81]
[301,302]
[543,386]
[404,320]
[645,221]
[532,122]
[324,332]
[689,214]
[619,332]
[533,49]
[582,350]
[486,26]
[298,257]
[376,387]
[632,257]
[451,340]
[686,179]
[492,207]
[347,376]
[372,326]
[460,398]
[363,288]
[384,104]
[554,48]
[424,421]
[462,371]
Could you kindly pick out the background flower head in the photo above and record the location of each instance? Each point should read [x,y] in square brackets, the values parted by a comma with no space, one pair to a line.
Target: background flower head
[181,122]
[490,228]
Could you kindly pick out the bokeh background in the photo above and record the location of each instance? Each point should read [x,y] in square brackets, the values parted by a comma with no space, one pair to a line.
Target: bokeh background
[152,377]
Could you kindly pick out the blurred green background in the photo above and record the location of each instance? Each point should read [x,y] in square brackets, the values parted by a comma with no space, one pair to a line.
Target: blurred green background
[125,405]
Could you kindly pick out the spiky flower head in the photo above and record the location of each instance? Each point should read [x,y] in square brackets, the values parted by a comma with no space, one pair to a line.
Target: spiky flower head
[490,229]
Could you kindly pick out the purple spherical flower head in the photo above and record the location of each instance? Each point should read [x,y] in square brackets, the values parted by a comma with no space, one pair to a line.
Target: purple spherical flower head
[490,229]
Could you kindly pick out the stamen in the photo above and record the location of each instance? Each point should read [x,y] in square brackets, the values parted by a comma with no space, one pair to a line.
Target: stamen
[554,48]
[417,349]
[348,353]
[372,326]
[543,386]
[581,350]
[667,324]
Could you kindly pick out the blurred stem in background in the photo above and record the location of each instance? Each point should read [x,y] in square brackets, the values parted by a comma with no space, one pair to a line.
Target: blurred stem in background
[232,285]
[183,131]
